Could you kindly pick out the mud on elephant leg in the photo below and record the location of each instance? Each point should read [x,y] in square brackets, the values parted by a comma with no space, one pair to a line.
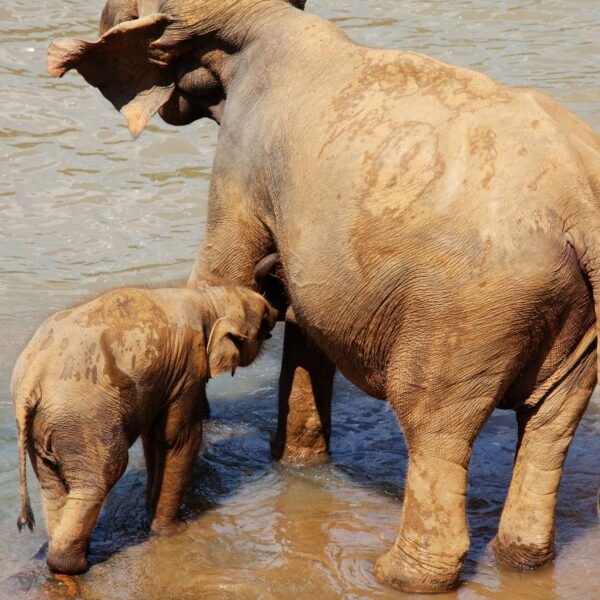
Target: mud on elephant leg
[54,494]
[70,537]
[525,537]
[305,390]
[433,539]
[69,544]
[177,439]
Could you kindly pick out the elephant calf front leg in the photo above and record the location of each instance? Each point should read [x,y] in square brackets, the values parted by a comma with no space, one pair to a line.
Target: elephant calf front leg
[305,390]
[177,442]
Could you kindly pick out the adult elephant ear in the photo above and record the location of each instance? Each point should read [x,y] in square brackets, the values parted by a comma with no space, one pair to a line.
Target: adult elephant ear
[122,66]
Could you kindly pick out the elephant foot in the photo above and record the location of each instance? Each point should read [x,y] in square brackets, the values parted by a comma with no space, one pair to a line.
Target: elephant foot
[297,454]
[66,564]
[399,570]
[520,556]
[165,529]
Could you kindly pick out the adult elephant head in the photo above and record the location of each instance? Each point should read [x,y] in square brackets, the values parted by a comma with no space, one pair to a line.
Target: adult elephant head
[154,56]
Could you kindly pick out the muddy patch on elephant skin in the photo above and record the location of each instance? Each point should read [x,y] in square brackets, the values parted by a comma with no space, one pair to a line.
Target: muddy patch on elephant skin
[48,341]
[482,145]
[67,372]
[116,376]
[400,170]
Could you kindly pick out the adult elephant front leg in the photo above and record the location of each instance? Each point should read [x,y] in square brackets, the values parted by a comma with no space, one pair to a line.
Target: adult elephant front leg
[305,390]
[236,240]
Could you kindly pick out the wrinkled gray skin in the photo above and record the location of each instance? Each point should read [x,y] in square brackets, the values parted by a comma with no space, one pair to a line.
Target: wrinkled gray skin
[439,237]
[95,377]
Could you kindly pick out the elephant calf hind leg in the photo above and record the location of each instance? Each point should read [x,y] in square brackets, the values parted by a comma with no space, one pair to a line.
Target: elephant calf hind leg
[70,536]
[69,544]
[54,493]
[525,537]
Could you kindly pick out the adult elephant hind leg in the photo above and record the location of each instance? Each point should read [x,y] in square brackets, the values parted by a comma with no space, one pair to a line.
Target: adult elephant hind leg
[305,390]
[440,420]
[525,537]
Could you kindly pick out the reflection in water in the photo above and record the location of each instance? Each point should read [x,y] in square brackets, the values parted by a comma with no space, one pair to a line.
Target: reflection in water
[85,208]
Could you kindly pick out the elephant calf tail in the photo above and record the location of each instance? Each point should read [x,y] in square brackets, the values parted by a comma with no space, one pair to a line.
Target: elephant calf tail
[24,408]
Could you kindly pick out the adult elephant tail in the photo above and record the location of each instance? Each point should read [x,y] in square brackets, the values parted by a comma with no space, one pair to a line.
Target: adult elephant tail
[585,241]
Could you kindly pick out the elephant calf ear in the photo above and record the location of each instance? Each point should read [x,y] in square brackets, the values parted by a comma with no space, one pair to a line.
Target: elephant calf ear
[119,65]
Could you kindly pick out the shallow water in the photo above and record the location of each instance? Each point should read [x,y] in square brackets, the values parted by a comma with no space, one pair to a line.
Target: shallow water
[85,208]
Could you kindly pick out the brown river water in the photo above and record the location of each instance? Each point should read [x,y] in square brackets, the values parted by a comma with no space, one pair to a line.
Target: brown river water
[84,208]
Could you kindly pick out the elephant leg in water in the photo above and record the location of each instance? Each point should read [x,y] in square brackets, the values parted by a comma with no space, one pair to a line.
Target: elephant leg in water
[72,507]
[305,382]
[54,493]
[433,539]
[170,450]
[305,389]
[526,534]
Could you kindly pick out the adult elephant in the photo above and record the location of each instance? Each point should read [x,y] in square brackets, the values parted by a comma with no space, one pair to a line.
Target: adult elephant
[438,233]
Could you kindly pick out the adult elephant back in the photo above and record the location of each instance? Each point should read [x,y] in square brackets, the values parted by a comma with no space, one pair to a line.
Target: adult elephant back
[438,235]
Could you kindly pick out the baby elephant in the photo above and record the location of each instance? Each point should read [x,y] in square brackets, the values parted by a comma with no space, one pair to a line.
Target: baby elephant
[93,378]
